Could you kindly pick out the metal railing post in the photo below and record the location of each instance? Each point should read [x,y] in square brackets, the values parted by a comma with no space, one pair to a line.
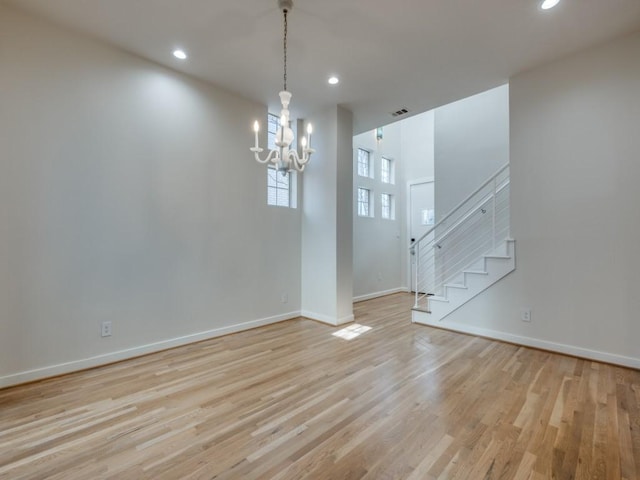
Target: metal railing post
[416,251]
[493,215]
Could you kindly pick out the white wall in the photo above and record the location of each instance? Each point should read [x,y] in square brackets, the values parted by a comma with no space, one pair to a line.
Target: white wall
[378,242]
[326,221]
[127,193]
[574,194]
[344,216]
[418,146]
[471,144]
[380,256]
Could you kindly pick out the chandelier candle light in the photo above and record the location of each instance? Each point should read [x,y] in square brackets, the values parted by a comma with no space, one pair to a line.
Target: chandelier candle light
[284,157]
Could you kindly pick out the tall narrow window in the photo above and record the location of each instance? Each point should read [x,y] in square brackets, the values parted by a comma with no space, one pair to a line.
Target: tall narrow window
[364,203]
[281,190]
[386,171]
[364,163]
[272,127]
[387,209]
[278,188]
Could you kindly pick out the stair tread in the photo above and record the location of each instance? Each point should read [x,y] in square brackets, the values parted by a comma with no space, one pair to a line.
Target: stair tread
[420,309]
[456,285]
[478,272]
[439,299]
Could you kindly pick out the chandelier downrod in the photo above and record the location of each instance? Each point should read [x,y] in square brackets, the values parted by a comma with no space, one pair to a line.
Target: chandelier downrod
[285,49]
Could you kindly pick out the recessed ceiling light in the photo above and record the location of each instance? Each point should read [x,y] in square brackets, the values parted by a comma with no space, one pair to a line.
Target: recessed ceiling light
[333,80]
[548,4]
[180,54]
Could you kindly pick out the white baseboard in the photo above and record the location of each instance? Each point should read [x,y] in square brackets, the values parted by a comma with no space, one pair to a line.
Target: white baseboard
[104,359]
[541,344]
[320,317]
[384,293]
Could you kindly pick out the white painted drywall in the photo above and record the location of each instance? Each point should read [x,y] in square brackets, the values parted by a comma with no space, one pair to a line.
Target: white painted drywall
[574,210]
[344,216]
[471,144]
[127,193]
[326,280]
[380,256]
[418,159]
[417,144]
[378,243]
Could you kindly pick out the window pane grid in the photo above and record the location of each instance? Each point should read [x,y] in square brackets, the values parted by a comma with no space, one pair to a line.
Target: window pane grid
[386,170]
[272,127]
[363,202]
[277,188]
[386,206]
[364,159]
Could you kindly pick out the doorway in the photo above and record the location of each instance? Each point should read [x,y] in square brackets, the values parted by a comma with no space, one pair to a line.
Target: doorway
[421,216]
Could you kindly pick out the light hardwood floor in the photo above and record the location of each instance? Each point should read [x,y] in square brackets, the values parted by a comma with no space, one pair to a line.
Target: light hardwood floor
[291,401]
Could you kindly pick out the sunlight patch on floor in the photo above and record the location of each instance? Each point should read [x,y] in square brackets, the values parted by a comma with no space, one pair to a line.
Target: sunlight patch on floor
[352,331]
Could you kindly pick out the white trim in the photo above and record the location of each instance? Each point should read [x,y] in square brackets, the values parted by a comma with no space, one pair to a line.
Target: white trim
[384,293]
[347,319]
[104,359]
[411,183]
[320,317]
[533,342]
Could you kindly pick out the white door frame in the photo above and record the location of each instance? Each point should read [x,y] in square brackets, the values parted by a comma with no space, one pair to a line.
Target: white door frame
[411,183]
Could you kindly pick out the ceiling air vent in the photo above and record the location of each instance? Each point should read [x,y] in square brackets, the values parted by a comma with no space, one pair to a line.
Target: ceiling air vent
[402,111]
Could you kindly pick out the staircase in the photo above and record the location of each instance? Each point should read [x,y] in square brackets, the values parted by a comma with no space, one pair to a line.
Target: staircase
[465,253]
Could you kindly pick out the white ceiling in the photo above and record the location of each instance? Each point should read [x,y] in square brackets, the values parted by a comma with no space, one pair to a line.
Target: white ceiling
[414,54]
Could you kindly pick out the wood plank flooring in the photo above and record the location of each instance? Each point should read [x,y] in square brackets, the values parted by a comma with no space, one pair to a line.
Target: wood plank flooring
[291,401]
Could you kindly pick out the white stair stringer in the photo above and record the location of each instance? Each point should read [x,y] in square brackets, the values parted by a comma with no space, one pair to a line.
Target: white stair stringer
[470,283]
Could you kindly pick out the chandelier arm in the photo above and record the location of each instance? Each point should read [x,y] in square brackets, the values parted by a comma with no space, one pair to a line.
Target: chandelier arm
[270,157]
[300,168]
[297,165]
[306,156]
[298,162]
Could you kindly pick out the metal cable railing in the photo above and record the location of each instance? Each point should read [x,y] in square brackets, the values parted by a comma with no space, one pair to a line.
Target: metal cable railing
[475,227]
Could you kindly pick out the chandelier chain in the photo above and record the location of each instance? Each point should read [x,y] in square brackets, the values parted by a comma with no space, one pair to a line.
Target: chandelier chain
[285,48]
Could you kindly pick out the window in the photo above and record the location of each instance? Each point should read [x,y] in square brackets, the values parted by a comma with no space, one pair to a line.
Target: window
[364,163]
[277,188]
[281,190]
[364,203]
[387,209]
[273,121]
[387,171]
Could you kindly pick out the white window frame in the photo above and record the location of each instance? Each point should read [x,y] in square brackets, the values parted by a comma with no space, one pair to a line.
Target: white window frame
[368,165]
[387,176]
[387,206]
[365,207]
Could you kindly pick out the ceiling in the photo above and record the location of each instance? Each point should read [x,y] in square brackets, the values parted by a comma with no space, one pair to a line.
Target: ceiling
[413,54]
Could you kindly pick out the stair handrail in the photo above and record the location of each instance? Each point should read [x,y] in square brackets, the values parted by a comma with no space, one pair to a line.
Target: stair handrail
[478,206]
[459,205]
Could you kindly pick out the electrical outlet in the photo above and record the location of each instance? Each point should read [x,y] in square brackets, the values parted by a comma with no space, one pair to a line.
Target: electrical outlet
[284,298]
[105,329]
[525,314]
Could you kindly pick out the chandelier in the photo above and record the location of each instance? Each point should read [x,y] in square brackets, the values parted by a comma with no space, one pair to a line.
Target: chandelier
[283,156]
